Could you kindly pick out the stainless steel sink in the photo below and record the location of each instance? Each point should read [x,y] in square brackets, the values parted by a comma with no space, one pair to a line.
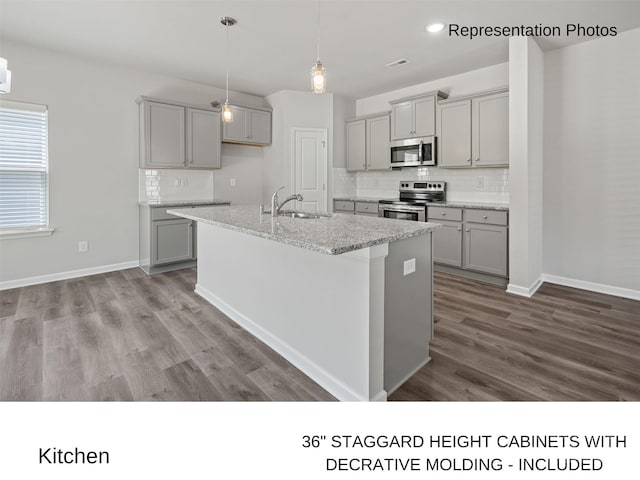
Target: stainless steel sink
[294,214]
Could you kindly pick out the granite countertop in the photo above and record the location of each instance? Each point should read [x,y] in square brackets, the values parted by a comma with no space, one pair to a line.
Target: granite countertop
[484,206]
[183,203]
[361,199]
[333,235]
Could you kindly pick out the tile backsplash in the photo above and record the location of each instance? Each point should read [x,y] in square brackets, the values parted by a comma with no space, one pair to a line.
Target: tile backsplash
[170,185]
[490,185]
[344,182]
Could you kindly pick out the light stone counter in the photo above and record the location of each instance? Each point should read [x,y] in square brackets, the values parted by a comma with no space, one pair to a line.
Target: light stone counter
[333,235]
[183,203]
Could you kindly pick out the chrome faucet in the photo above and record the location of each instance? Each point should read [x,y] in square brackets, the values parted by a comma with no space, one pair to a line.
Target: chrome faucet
[276,207]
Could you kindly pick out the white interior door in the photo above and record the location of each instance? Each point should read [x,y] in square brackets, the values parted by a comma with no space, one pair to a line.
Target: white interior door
[309,175]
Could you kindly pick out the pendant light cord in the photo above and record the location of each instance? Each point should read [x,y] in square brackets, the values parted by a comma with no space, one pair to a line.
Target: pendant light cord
[227,30]
[318,33]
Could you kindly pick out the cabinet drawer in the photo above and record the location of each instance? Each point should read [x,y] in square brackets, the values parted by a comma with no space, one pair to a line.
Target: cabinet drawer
[161,214]
[366,207]
[492,217]
[445,213]
[343,206]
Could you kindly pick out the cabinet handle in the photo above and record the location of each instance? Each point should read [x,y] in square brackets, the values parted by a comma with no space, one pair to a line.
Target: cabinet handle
[443,213]
[459,229]
[477,159]
[484,216]
[468,160]
[466,229]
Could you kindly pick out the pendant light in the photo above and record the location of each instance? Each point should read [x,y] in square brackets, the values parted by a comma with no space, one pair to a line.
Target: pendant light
[5,77]
[227,112]
[318,80]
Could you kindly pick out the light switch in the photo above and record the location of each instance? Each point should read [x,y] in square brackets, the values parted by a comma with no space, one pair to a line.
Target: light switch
[409,266]
[232,182]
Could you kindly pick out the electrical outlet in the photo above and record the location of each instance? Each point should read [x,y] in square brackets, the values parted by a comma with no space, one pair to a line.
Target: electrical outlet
[83,246]
[479,182]
[176,182]
[409,266]
[232,182]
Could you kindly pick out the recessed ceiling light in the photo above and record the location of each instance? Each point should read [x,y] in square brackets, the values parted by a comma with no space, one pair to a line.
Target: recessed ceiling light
[434,27]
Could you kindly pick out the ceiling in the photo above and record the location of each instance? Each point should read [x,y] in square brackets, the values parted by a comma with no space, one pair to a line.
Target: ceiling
[273,46]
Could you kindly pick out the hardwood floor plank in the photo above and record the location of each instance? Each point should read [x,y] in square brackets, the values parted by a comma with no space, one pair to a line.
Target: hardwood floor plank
[192,385]
[276,385]
[9,302]
[236,386]
[146,380]
[21,367]
[112,390]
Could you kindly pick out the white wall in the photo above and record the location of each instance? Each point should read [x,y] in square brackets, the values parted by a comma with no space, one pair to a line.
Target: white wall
[525,162]
[93,156]
[592,162]
[293,109]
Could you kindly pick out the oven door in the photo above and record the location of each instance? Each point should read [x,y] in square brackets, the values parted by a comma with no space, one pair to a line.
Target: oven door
[403,212]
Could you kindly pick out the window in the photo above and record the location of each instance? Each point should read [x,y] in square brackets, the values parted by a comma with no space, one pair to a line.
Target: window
[24,204]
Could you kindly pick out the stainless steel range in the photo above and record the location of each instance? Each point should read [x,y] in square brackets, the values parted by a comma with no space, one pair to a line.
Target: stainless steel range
[413,201]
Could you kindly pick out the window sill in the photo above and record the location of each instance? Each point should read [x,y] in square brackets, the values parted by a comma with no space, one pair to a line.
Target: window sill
[25,232]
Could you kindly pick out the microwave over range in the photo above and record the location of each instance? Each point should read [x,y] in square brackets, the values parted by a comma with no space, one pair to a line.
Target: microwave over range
[413,152]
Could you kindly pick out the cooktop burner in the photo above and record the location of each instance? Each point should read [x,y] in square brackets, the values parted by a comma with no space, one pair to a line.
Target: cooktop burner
[419,193]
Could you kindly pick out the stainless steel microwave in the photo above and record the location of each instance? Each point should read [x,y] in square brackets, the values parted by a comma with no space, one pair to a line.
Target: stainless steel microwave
[413,152]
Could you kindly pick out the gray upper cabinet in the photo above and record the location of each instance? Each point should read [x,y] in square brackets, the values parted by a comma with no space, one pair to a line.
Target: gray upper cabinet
[176,135]
[454,134]
[491,130]
[414,116]
[368,143]
[162,135]
[251,126]
[203,138]
[474,131]
[377,144]
[356,145]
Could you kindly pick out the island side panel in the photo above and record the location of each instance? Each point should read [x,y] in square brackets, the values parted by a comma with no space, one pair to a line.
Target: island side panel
[324,313]
[408,310]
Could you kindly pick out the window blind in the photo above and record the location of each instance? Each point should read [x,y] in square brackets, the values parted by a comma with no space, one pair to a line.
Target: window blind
[23,165]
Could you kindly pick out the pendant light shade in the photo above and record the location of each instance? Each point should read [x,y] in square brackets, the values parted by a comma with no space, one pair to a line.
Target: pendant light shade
[5,77]
[318,81]
[227,111]
[318,78]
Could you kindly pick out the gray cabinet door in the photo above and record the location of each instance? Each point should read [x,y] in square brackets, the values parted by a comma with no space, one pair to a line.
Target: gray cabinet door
[356,141]
[424,117]
[377,146]
[203,138]
[491,130]
[454,134]
[163,135]
[485,248]
[447,244]
[238,130]
[171,241]
[260,127]
[402,120]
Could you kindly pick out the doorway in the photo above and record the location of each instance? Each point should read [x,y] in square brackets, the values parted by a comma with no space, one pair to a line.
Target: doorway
[309,168]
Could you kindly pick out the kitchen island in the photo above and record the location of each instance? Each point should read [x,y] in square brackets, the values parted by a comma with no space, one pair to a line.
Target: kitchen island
[347,300]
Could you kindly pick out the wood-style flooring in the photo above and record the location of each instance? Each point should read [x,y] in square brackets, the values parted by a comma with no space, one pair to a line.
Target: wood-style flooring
[561,344]
[126,336]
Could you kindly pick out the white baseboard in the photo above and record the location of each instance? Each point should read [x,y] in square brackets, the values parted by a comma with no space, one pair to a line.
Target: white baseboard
[592,286]
[54,277]
[526,291]
[327,381]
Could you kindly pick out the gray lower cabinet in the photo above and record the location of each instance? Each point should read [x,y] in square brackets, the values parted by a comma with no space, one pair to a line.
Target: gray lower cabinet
[172,241]
[485,248]
[367,208]
[167,242]
[470,239]
[447,243]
